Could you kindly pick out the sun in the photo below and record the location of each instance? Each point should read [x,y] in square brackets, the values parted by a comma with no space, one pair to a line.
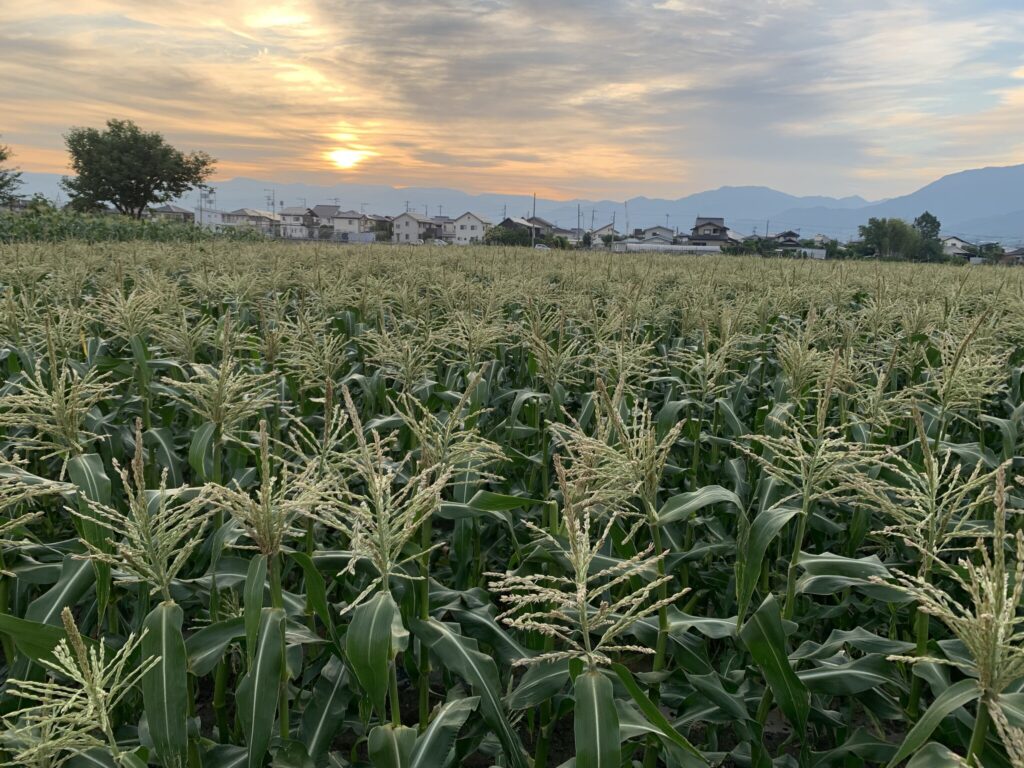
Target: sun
[347,158]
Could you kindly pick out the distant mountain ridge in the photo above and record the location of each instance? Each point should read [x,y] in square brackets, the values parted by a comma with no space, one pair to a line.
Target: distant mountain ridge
[981,204]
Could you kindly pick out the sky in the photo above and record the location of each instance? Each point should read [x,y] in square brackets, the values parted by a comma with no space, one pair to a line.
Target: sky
[565,98]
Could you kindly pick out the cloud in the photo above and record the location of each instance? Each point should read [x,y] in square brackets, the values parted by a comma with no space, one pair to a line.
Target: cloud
[562,97]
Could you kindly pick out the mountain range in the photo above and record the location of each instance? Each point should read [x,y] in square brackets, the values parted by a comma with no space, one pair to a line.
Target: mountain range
[985,204]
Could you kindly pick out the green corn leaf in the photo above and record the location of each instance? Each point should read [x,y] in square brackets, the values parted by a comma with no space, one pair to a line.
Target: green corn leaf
[76,576]
[165,686]
[460,655]
[765,639]
[390,746]
[595,722]
[252,601]
[368,645]
[206,647]
[652,713]
[751,551]
[33,639]
[434,746]
[947,702]
[540,683]
[200,452]
[323,715]
[258,692]
[683,505]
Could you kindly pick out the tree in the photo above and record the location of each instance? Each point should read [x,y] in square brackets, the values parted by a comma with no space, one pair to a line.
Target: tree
[891,239]
[507,236]
[929,227]
[129,168]
[10,179]
[588,240]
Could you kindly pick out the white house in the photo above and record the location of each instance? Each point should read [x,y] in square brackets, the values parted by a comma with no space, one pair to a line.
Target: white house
[346,223]
[601,232]
[208,218]
[663,232]
[471,228]
[296,222]
[410,227]
[955,246]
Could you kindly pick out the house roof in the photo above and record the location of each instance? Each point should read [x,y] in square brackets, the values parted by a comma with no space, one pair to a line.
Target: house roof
[254,212]
[483,219]
[347,215]
[657,227]
[326,211]
[1015,252]
[296,210]
[417,216]
[701,220]
[540,222]
[517,221]
[169,209]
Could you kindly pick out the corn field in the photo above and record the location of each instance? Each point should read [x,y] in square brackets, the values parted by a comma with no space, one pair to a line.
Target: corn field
[303,506]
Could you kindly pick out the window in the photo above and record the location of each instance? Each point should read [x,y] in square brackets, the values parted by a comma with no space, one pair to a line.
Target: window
[406,235]
[473,227]
[462,226]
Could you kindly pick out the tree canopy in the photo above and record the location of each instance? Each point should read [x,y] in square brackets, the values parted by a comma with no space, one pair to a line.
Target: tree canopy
[895,239]
[129,168]
[10,179]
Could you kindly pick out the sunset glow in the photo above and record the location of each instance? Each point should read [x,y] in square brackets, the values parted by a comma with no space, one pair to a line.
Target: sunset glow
[606,99]
[347,158]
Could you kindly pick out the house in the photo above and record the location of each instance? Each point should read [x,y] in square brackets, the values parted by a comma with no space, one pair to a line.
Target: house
[608,230]
[297,223]
[324,214]
[470,228]
[545,227]
[172,213]
[445,228]
[264,221]
[409,227]
[210,218]
[514,222]
[1014,257]
[956,246]
[710,231]
[663,232]
[574,235]
[346,223]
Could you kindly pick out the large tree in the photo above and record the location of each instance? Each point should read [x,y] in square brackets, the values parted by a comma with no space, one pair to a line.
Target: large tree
[10,179]
[891,239]
[929,227]
[129,168]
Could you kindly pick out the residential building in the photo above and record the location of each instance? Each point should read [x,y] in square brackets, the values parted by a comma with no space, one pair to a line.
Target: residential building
[445,227]
[470,228]
[267,222]
[956,246]
[409,227]
[209,218]
[514,222]
[710,231]
[297,223]
[346,223]
[607,230]
[663,232]
[1015,257]
[544,226]
[171,213]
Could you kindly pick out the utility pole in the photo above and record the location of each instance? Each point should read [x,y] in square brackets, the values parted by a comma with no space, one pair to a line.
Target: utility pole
[579,221]
[406,206]
[271,199]
[504,211]
[626,205]
[439,209]
[533,225]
